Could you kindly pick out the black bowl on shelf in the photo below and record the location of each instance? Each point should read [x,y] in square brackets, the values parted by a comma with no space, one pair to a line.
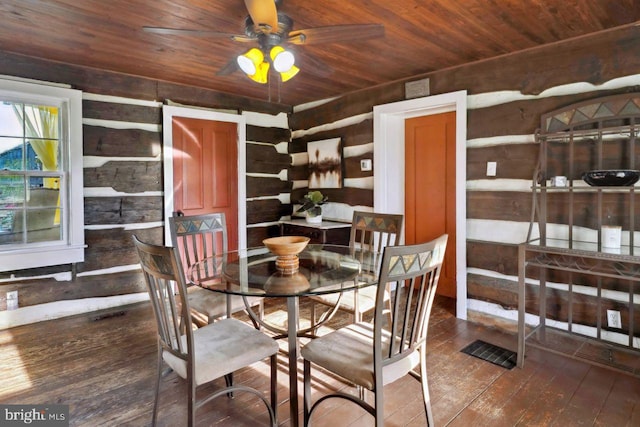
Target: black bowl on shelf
[611,178]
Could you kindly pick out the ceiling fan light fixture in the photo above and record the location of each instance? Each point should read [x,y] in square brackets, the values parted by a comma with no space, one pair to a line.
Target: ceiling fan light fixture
[289,74]
[282,59]
[250,61]
[262,73]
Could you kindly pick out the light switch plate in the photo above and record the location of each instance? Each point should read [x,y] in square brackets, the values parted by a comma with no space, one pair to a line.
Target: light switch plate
[491,168]
[12,300]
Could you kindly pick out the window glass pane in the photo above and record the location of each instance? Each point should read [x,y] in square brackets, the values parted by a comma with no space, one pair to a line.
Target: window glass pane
[11,123]
[39,197]
[41,226]
[39,219]
[6,222]
[12,189]
[11,157]
[32,159]
[40,121]
[42,155]
[12,196]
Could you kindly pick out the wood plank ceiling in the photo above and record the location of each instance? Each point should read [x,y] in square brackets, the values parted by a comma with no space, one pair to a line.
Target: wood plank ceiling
[420,36]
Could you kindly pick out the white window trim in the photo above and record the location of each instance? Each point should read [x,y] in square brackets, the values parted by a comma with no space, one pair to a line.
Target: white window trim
[71,249]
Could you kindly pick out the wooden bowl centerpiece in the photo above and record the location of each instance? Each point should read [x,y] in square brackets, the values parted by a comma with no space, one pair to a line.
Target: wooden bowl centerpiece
[286,248]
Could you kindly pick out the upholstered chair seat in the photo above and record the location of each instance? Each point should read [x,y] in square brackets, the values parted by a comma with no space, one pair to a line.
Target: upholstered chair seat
[223,349]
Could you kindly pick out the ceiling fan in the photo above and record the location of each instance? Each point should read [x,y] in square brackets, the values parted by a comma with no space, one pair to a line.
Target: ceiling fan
[270,30]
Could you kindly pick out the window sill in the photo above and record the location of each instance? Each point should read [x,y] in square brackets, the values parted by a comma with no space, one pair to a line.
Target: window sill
[40,257]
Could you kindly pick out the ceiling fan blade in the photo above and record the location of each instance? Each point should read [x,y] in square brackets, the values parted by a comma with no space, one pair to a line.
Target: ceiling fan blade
[263,13]
[336,34]
[310,64]
[229,68]
[243,39]
[187,32]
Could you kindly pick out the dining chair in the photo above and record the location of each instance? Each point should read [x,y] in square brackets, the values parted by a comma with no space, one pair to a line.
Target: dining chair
[370,355]
[199,355]
[371,231]
[198,237]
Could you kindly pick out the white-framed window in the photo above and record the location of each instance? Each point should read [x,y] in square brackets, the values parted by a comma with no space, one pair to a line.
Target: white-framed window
[41,190]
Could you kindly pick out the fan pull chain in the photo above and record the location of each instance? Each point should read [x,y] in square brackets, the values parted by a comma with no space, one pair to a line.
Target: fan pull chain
[279,89]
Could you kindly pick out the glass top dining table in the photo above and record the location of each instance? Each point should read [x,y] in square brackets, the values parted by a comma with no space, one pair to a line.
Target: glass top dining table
[323,269]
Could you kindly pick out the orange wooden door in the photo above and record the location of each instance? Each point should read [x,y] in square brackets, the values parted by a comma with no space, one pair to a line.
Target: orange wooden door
[430,185]
[205,170]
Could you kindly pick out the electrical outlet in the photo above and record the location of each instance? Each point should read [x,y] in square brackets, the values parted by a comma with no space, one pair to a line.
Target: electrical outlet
[12,300]
[365,165]
[491,168]
[613,319]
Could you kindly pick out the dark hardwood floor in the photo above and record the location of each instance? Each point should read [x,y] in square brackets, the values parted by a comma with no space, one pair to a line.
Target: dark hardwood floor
[103,366]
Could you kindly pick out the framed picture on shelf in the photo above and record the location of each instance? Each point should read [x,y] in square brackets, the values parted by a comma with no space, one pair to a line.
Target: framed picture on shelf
[325,163]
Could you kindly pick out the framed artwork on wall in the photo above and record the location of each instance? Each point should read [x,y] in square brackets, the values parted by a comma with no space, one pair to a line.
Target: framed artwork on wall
[325,163]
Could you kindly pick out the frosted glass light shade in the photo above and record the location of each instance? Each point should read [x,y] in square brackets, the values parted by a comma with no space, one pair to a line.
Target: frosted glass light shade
[282,59]
[287,75]
[249,61]
[261,74]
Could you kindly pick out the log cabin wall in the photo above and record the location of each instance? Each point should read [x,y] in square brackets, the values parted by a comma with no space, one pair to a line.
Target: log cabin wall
[506,97]
[122,159]
[268,185]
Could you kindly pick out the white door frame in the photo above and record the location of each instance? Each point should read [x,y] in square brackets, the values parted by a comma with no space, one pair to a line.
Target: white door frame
[388,161]
[168,113]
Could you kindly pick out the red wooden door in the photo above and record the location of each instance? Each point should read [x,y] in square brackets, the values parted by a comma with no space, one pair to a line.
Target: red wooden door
[205,170]
[430,187]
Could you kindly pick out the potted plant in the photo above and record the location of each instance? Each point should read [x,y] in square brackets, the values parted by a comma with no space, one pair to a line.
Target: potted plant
[312,203]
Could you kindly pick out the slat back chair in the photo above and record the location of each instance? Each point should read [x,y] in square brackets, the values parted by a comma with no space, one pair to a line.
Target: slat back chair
[375,231]
[371,231]
[198,237]
[209,352]
[370,355]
